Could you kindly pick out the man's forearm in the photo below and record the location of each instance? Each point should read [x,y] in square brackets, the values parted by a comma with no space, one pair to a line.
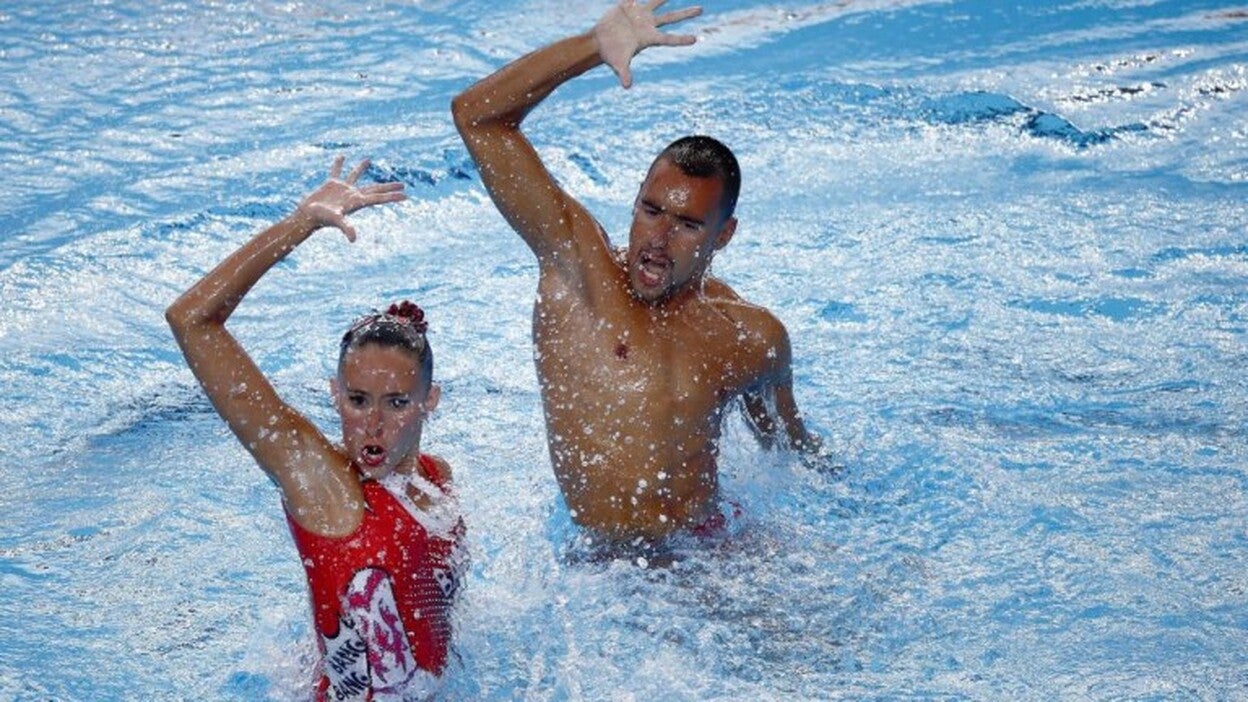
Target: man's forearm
[507,95]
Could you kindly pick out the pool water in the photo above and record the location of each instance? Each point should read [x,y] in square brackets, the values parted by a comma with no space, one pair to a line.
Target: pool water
[1007,239]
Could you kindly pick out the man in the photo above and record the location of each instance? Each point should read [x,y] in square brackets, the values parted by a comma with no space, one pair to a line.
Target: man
[638,352]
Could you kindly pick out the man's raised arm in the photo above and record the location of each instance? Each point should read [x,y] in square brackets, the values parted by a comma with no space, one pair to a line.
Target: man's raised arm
[488,116]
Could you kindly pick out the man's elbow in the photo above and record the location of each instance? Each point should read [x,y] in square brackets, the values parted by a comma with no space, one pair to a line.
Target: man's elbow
[476,118]
[184,316]
[176,315]
[463,114]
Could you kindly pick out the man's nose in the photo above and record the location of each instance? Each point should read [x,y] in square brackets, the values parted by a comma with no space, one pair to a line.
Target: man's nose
[666,229]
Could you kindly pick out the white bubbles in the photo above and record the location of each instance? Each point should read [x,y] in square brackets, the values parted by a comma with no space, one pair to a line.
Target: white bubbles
[1009,333]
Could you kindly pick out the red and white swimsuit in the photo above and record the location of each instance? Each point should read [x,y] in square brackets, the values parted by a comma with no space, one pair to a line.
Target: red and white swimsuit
[381,596]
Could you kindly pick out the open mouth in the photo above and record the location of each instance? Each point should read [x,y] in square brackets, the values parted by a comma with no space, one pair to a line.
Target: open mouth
[373,455]
[652,268]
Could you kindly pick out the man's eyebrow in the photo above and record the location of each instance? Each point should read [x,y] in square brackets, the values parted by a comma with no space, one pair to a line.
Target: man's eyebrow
[646,202]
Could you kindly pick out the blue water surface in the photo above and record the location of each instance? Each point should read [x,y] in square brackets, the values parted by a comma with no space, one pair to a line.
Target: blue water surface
[1007,239]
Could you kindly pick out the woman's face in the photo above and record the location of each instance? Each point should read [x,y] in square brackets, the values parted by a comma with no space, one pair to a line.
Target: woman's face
[383,402]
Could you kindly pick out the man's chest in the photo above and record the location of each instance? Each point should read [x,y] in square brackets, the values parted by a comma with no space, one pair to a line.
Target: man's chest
[700,359]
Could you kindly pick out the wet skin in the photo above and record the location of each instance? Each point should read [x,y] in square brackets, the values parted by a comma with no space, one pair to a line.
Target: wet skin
[636,371]
[678,223]
[638,354]
[382,402]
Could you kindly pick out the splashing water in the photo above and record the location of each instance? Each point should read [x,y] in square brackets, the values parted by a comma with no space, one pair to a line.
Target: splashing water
[1007,242]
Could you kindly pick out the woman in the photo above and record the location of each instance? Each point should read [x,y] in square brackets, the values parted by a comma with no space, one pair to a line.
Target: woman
[373,518]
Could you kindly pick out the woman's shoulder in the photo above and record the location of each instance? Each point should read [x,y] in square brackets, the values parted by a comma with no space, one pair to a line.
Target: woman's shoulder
[436,469]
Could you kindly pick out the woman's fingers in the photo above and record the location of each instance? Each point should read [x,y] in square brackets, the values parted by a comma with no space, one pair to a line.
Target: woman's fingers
[336,169]
[357,171]
[677,16]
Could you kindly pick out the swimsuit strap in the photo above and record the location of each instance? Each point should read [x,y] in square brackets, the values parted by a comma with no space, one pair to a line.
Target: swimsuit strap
[440,515]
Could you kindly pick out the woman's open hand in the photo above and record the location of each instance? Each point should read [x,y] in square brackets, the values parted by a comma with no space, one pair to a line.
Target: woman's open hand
[329,205]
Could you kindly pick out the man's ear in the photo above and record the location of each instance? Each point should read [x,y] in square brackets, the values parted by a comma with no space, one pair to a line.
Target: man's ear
[431,400]
[335,391]
[725,233]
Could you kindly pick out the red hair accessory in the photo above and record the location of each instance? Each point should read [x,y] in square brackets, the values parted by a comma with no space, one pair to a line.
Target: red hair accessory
[409,313]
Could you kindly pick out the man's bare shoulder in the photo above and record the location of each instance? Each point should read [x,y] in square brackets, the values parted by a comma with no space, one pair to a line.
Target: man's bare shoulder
[757,335]
[746,316]
[717,290]
[583,262]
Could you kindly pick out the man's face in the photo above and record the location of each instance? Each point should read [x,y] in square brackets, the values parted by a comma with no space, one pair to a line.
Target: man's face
[678,222]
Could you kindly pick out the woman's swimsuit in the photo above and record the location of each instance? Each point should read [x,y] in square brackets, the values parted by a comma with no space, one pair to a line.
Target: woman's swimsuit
[381,596]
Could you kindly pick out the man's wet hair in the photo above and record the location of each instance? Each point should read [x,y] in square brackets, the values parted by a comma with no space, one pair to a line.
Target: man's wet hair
[707,157]
[401,326]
